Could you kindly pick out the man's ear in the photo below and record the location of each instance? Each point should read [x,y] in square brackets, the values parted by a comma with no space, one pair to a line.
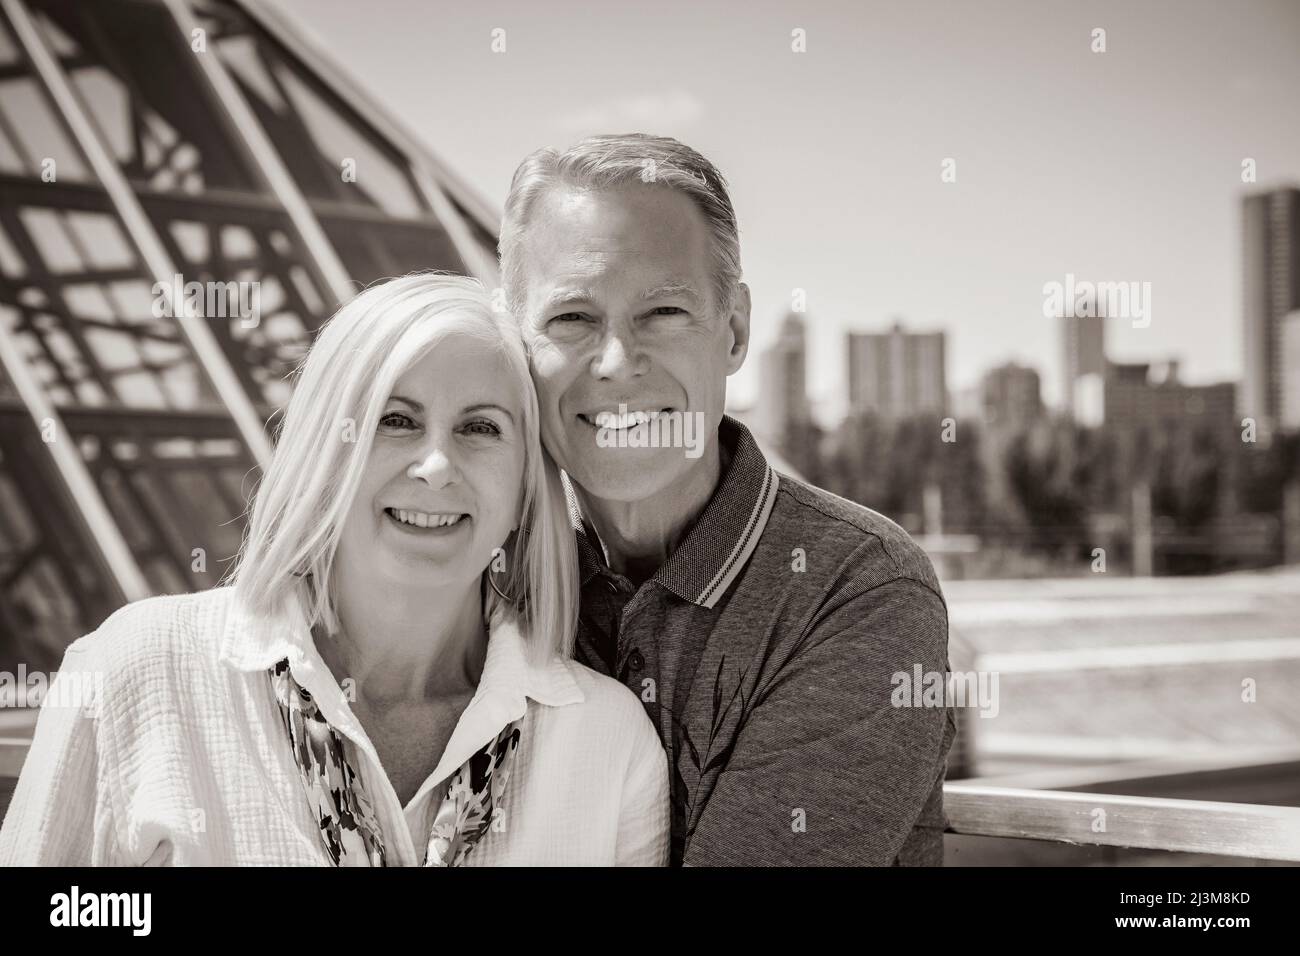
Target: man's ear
[738,324]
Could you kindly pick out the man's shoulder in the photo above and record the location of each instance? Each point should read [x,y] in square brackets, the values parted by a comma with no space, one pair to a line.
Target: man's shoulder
[858,542]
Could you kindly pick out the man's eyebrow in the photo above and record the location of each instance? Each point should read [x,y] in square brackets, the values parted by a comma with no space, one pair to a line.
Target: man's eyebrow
[566,296]
[673,290]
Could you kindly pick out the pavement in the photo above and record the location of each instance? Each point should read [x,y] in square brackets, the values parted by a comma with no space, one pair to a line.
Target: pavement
[1100,669]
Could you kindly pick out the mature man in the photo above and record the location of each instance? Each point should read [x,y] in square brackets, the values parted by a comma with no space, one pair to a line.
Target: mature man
[764,622]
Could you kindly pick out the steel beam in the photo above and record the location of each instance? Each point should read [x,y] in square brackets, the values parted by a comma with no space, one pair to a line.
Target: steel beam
[116,555]
[158,263]
[261,151]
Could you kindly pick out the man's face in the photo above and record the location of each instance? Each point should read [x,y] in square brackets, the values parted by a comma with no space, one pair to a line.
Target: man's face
[619,309]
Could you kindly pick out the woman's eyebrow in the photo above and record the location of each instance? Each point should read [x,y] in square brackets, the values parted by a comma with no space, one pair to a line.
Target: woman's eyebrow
[418,407]
[415,406]
[482,405]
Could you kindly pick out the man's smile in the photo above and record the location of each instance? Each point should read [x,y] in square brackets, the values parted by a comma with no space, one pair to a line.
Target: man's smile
[623,418]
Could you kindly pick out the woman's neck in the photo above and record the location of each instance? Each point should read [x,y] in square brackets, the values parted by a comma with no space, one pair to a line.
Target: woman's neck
[403,645]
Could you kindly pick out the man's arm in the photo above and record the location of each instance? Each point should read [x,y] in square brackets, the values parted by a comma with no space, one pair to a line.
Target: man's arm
[827,770]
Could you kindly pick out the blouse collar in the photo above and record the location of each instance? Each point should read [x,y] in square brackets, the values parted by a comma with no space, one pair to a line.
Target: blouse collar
[510,678]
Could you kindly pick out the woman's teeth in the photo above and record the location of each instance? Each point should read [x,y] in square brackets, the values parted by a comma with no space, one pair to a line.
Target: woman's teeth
[422,520]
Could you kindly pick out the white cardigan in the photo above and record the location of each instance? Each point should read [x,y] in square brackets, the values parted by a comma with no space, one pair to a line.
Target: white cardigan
[173,752]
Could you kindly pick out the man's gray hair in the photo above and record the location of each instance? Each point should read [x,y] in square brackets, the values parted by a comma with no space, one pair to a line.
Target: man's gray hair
[605,162]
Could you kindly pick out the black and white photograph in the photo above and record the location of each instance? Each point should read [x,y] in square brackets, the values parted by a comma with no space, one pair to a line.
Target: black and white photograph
[752,435]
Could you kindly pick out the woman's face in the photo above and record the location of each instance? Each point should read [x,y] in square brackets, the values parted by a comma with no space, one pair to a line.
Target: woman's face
[443,484]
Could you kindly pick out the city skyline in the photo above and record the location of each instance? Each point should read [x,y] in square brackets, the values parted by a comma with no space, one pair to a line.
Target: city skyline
[904,372]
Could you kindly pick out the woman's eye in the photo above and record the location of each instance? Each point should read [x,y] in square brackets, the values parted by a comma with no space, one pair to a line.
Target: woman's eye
[483,427]
[569,317]
[396,420]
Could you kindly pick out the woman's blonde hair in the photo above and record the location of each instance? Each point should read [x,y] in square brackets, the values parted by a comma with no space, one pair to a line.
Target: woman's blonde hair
[342,386]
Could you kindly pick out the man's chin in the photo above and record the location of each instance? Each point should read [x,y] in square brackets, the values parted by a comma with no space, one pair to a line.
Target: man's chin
[637,476]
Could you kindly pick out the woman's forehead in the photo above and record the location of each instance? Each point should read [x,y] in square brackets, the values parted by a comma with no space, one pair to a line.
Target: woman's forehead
[462,371]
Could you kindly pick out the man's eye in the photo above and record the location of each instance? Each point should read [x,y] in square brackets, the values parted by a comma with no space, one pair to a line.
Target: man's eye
[668,310]
[396,420]
[483,427]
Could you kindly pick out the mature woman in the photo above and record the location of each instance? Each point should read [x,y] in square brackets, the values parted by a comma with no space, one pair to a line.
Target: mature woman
[388,681]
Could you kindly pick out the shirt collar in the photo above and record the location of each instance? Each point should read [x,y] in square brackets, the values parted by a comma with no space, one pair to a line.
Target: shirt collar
[719,544]
[257,642]
[510,678]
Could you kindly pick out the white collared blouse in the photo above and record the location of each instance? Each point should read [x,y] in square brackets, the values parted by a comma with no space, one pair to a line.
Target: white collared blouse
[165,745]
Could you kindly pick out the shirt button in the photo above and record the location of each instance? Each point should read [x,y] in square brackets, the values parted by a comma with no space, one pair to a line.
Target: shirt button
[636,661]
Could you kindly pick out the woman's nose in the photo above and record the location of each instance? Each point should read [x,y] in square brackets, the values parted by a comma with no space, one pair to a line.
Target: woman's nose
[435,467]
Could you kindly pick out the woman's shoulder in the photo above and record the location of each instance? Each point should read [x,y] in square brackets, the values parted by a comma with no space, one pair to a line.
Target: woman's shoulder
[615,735]
[610,707]
[584,696]
[601,690]
[162,631]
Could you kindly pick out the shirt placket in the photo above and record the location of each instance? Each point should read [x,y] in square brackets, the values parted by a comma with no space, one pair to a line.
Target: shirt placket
[633,664]
[399,845]
[621,603]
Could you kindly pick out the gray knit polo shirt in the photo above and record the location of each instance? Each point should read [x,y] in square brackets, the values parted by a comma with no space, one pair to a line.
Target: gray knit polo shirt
[766,650]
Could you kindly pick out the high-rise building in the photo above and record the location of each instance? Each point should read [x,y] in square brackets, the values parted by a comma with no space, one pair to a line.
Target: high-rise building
[782,387]
[1011,395]
[1149,395]
[1084,369]
[1270,260]
[967,403]
[897,373]
[148,148]
[1289,415]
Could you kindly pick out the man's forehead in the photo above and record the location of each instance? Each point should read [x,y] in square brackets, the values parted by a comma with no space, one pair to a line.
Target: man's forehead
[628,219]
[598,284]
[624,244]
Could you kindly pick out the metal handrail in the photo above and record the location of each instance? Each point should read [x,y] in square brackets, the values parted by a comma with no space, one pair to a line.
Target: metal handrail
[1151,823]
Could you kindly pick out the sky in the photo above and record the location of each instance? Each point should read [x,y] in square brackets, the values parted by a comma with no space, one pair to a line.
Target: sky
[1122,165]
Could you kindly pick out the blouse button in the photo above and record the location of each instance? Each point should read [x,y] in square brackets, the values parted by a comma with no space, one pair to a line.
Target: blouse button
[636,661]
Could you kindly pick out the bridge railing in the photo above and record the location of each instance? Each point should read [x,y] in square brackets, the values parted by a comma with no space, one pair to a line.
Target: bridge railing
[1150,823]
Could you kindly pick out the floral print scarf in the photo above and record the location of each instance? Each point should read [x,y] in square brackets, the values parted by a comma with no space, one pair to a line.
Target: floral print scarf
[348,826]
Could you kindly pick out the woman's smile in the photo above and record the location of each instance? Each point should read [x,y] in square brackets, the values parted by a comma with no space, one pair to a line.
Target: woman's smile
[437,523]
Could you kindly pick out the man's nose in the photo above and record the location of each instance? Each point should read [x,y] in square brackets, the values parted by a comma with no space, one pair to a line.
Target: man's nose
[620,357]
[435,466]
